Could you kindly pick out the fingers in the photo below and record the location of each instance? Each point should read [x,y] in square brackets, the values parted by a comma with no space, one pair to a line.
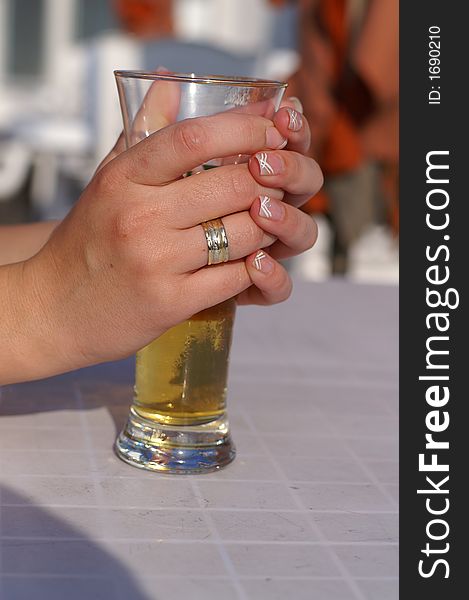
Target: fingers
[159,109]
[296,231]
[244,237]
[290,122]
[270,223]
[212,285]
[263,108]
[179,148]
[298,175]
[272,284]
[211,194]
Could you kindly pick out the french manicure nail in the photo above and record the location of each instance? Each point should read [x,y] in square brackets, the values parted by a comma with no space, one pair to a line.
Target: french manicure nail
[270,209]
[295,122]
[274,139]
[262,262]
[297,102]
[269,164]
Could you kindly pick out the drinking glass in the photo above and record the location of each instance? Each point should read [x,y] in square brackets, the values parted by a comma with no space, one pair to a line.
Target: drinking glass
[178,421]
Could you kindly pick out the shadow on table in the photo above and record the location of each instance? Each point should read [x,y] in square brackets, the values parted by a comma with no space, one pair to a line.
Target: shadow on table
[44,558]
[109,385]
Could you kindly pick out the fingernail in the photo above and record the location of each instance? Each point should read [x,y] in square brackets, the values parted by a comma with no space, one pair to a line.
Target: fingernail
[262,262]
[297,102]
[270,208]
[162,69]
[274,139]
[295,122]
[269,164]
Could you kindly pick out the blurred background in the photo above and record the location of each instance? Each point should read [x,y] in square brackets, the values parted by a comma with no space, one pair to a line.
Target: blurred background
[59,112]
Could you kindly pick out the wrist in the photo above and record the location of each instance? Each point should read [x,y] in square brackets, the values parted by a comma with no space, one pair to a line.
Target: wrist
[20,242]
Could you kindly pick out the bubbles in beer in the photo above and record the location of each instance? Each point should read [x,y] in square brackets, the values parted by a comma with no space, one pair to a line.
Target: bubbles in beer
[181,377]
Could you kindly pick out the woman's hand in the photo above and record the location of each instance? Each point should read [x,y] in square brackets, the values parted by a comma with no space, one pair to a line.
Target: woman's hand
[300,178]
[129,261]
[296,174]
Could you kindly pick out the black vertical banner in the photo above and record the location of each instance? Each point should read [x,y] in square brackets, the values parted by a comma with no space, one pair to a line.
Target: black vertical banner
[434,423]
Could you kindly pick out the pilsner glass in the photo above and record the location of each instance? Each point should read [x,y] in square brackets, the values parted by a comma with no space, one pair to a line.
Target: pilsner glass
[178,420]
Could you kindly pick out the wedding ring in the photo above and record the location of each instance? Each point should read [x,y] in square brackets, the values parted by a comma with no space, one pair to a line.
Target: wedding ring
[217,241]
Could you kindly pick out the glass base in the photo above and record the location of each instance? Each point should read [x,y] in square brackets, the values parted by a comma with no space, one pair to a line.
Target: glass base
[183,449]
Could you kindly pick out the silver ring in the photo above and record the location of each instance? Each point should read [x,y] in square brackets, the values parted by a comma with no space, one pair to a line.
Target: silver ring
[217,241]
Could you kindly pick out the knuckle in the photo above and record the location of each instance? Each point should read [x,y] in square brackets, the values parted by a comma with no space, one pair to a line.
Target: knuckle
[125,225]
[236,281]
[142,158]
[256,127]
[196,192]
[244,233]
[242,183]
[297,166]
[132,242]
[105,181]
[254,234]
[139,269]
[190,136]
[145,272]
[253,132]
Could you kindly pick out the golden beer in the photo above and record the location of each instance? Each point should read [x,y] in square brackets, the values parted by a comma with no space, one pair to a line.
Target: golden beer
[181,377]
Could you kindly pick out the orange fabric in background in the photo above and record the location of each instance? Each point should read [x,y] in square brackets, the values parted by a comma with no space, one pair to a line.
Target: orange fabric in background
[341,150]
[333,16]
[350,89]
[145,18]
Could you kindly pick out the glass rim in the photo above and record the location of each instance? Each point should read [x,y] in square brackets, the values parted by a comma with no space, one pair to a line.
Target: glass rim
[204,79]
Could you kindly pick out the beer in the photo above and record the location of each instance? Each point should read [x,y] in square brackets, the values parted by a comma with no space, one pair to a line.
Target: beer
[181,377]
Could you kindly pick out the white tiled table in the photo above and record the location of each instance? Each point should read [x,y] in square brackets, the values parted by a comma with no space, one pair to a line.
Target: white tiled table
[307,511]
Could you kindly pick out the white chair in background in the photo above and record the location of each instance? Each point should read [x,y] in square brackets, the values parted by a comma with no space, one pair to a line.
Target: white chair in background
[54,132]
[15,162]
[77,117]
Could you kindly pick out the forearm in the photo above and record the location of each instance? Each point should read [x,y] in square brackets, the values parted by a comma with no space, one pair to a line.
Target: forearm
[30,341]
[20,242]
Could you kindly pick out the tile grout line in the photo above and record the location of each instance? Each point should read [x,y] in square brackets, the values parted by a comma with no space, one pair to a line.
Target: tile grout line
[229,567]
[326,383]
[300,435]
[381,486]
[365,469]
[207,542]
[210,509]
[333,555]
[325,367]
[157,578]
